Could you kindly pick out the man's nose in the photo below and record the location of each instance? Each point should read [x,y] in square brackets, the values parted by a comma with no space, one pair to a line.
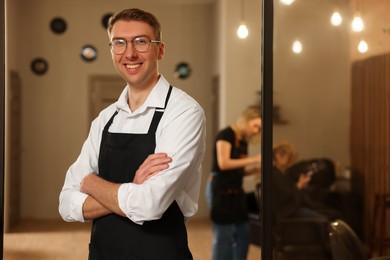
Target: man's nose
[130,50]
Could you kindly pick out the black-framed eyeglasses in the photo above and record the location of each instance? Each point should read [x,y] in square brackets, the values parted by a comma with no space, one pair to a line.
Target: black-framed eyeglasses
[140,44]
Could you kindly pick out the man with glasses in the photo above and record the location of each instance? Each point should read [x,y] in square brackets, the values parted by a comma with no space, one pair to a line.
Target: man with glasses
[138,174]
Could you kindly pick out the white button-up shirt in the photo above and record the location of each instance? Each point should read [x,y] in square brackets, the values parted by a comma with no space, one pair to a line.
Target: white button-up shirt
[180,133]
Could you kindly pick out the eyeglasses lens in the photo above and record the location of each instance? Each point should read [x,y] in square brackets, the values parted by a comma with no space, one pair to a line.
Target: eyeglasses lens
[140,44]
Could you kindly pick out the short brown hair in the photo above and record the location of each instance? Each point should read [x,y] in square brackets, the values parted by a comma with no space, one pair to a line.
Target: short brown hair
[135,14]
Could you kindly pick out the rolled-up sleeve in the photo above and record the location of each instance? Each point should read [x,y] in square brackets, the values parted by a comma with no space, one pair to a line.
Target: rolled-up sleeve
[71,199]
[71,205]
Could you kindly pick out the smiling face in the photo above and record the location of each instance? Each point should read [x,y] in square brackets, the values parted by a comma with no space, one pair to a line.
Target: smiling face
[140,70]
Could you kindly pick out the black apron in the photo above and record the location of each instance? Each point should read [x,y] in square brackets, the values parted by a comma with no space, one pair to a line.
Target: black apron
[118,238]
[229,200]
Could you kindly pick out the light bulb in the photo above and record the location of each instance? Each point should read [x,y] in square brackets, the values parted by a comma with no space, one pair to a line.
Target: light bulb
[242,31]
[363,47]
[287,2]
[297,47]
[336,19]
[357,24]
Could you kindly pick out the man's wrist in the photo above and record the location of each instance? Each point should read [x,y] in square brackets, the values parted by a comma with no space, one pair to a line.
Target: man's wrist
[87,183]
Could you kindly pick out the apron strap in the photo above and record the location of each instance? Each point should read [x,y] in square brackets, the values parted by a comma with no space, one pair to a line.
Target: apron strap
[158,114]
[110,121]
[156,117]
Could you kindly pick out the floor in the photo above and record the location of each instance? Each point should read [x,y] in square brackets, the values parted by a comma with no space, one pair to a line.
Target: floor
[57,240]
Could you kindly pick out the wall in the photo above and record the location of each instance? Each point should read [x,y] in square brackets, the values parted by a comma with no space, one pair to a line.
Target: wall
[55,107]
[313,88]
[239,59]
[10,19]
[376,33]
[370,149]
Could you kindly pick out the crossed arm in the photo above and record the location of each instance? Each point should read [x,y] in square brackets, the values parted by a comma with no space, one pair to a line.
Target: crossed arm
[103,195]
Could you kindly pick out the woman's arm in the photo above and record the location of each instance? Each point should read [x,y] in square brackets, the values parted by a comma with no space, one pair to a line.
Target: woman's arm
[303,181]
[226,163]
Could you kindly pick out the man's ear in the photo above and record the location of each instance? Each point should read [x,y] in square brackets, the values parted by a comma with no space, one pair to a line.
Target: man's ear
[161,50]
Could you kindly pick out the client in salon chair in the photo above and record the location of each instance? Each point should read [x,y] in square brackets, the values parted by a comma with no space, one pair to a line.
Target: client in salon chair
[289,197]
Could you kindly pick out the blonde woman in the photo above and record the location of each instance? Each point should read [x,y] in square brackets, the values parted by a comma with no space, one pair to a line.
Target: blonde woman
[225,193]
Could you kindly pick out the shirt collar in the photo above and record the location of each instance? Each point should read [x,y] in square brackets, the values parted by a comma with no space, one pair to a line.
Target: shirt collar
[155,99]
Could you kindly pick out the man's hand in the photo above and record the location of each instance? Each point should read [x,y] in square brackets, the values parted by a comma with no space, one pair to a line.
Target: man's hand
[154,164]
[104,192]
[103,195]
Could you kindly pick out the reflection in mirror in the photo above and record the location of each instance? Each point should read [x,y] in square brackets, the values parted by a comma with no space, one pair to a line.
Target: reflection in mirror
[330,83]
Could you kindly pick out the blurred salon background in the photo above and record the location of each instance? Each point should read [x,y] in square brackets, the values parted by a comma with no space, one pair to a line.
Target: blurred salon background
[331,88]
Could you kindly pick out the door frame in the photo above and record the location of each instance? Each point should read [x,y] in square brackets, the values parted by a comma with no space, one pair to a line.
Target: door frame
[2,115]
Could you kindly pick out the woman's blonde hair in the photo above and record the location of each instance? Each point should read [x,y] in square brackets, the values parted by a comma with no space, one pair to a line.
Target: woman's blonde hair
[251,112]
[287,149]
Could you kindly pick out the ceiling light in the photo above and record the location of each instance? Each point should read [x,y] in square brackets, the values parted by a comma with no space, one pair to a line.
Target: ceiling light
[297,47]
[336,19]
[357,24]
[363,46]
[287,2]
[242,31]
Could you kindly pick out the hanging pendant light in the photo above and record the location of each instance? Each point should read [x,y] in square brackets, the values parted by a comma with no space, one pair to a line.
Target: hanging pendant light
[297,47]
[336,19]
[357,22]
[242,31]
[363,46]
[287,2]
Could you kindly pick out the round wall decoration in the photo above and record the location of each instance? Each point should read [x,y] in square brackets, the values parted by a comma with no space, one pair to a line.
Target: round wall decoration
[88,53]
[183,70]
[58,25]
[105,19]
[39,66]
